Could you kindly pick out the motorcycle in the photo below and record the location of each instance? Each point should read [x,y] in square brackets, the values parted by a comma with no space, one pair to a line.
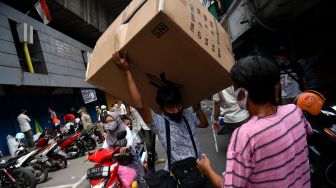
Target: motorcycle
[76,145]
[28,161]
[26,158]
[13,176]
[108,170]
[97,134]
[45,137]
[69,146]
[47,155]
[322,143]
[51,159]
[89,139]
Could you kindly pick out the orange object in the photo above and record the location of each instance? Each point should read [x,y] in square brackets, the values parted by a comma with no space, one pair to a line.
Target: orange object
[310,101]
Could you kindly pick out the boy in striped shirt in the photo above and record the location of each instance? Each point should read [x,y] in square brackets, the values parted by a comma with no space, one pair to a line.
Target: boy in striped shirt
[270,150]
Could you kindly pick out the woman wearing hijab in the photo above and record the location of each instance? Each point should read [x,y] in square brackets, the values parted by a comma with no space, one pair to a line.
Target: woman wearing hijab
[113,125]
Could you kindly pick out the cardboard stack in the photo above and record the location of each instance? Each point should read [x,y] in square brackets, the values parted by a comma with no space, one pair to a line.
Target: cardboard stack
[179,38]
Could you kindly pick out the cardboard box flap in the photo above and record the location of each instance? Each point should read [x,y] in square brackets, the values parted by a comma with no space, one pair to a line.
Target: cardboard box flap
[131,9]
[125,27]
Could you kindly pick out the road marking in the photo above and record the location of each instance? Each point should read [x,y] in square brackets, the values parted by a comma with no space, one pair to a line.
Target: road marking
[61,186]
[79,182]
[75,185]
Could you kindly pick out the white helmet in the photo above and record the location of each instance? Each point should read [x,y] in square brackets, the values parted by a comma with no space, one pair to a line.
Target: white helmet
[19,136]
[103,107]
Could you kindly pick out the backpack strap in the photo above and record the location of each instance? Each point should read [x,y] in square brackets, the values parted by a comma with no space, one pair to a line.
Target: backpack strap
[191,136]
[167,124]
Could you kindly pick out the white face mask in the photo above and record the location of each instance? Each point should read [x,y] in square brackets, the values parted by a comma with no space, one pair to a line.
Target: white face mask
[111,126]
[241,103]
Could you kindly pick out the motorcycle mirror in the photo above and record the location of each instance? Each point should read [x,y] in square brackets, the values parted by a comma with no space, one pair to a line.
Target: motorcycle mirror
[121,135]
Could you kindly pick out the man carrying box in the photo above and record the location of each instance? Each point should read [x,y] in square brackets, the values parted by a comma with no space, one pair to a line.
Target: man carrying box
[182,144]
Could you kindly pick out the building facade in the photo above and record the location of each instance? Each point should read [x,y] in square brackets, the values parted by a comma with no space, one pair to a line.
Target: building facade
[59,65]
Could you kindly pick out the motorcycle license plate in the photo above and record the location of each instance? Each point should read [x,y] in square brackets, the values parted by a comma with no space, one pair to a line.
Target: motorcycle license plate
[98,172]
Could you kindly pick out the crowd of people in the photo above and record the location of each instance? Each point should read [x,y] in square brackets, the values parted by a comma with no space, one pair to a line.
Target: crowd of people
[109,122]
[268,144]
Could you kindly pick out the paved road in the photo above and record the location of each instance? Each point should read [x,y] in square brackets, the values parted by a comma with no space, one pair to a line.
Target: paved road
[69,177]
[73,176]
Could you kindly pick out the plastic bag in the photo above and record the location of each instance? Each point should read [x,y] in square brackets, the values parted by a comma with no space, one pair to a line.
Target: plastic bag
[126,176]
[12,145]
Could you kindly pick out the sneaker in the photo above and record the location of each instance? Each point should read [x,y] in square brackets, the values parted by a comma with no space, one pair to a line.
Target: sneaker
[160,160]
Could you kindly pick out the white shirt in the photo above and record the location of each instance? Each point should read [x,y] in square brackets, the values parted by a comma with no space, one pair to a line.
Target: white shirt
[231,111]
[24,120]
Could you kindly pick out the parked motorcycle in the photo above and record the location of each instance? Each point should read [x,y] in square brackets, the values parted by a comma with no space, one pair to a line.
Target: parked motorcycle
[16,177]
[89,139]
[50,158]
[28,161]
[48,155]
[108,170]
[97,134]
[45,137]
[26,158]
[322,143]
[69,146]
[76,145]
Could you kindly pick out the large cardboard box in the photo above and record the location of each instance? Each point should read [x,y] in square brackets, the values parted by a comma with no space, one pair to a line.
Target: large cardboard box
[179,38]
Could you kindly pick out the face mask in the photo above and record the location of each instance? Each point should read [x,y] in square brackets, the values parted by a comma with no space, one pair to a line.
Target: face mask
[175,117]
[111,126]
[241,103]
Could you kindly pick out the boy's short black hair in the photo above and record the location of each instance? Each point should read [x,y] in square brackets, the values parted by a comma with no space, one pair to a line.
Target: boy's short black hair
[259,76]
[125,117]
[169,95]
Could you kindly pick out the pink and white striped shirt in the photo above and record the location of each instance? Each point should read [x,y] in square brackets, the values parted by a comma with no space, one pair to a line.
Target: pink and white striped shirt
[270,151]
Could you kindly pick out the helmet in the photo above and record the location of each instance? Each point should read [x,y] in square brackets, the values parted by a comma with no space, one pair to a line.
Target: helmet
[103,107]
[19,136]
[310,101]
